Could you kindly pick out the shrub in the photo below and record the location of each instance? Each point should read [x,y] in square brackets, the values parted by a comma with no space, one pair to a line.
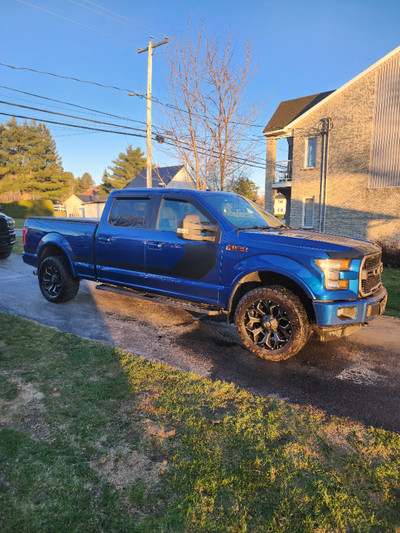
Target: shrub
[390,254]
[27,208]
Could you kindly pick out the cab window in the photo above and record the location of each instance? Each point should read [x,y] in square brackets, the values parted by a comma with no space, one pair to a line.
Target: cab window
[172,212]
[129,212]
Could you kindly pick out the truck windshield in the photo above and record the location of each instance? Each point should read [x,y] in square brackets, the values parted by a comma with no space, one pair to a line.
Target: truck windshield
[242,213]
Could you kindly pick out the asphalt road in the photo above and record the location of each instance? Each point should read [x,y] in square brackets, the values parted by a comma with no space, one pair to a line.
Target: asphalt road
[357,377]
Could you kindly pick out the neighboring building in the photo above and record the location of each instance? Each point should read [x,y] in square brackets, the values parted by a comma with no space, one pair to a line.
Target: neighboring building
[341,170]
[89,204]
[172,177]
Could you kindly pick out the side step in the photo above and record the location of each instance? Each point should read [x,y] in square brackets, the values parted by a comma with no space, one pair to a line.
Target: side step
[204,310]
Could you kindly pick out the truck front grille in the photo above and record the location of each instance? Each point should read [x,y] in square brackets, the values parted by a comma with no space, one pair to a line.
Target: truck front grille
[371,270]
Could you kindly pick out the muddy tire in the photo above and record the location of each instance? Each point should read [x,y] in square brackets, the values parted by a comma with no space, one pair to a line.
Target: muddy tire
[272,323]
[56,281]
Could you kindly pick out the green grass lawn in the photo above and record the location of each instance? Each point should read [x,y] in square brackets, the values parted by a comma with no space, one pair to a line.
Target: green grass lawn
[95,439]
[19,222]
[391,280]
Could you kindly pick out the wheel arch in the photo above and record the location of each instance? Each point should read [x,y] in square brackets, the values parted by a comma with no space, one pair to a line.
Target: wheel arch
[49,247]
[263,278]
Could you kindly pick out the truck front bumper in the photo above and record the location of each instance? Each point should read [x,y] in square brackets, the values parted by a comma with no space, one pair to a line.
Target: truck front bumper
[349,313]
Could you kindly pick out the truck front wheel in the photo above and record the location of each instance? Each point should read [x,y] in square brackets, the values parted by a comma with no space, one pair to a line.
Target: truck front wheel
[55,280]
[272,323]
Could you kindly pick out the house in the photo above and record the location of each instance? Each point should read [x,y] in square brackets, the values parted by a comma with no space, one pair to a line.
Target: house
[339,156]
[89,204]
[172,177]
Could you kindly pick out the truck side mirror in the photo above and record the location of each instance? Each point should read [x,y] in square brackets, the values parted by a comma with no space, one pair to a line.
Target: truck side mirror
[190,228]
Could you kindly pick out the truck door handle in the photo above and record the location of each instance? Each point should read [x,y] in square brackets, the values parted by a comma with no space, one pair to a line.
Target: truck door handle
[154,245]
[104,238]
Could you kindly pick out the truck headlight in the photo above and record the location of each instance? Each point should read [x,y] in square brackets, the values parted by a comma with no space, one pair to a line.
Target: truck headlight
[332,269]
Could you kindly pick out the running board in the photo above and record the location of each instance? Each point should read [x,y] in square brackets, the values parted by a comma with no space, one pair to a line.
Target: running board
[204,310]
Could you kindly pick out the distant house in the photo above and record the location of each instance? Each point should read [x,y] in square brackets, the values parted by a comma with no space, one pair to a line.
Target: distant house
[172,177]
[339,164]
[89,204]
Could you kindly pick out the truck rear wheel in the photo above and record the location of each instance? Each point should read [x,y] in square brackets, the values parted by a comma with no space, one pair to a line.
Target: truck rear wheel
[272,323]
[55,280]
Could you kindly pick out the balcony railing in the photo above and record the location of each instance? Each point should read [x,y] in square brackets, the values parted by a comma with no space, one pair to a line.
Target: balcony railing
[283,171]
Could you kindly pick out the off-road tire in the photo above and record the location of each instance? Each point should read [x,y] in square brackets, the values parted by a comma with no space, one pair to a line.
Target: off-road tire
[272,323]
[56,281]
[4,255]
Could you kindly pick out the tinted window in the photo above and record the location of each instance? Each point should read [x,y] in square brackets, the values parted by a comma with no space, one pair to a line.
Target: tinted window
[172,211]
[129,212]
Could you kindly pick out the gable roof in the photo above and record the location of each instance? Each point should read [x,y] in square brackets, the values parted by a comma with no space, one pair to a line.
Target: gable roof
[92,198]
[92,190]
[160,177]
[289,110]
[330,94]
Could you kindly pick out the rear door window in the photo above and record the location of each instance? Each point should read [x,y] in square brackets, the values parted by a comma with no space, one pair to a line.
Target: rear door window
[130,212]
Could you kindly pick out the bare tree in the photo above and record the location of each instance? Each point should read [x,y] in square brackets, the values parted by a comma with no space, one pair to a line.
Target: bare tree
[209,120]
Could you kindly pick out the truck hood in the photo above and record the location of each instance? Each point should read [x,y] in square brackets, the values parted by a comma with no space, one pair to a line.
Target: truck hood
[333,245]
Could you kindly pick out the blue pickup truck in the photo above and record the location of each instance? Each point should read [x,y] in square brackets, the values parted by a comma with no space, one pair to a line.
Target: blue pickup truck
[214,252]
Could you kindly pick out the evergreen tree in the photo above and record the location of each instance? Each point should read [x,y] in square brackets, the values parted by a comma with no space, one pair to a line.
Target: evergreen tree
[29,162]
[247,188]
[126,167]
[84,183]
[105,187]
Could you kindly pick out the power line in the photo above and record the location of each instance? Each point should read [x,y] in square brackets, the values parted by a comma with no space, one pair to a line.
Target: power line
[14,67]
[69,116]
[102,85]
[73,105]
[73,125]
[136,24]
[74,22]
[102,130]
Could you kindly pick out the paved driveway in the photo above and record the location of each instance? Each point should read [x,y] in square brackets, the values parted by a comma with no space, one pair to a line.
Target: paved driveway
[357,377]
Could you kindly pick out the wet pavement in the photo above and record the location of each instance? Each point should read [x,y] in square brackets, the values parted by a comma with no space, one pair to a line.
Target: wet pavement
[356,377]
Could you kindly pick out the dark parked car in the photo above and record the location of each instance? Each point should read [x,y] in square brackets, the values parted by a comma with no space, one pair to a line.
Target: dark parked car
[7,235]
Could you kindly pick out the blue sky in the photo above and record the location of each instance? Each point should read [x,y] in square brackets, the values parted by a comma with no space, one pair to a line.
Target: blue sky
[300,48]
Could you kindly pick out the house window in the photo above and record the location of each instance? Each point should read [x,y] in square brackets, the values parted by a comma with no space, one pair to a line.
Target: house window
[311,152]
[308,213]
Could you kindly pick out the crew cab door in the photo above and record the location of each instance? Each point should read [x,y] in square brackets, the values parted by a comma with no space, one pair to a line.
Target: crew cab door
[176,263]
[120,241]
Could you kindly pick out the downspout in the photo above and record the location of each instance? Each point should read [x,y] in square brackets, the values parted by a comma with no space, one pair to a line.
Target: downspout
[321,184]
[326,132]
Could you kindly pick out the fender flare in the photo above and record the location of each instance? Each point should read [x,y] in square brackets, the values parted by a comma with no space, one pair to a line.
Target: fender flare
[270,265]
[58,240]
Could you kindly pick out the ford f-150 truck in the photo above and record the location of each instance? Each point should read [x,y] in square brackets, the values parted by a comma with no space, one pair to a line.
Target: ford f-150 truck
[214,252]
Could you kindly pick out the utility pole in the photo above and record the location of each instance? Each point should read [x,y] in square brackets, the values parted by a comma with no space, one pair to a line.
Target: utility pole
[149,49]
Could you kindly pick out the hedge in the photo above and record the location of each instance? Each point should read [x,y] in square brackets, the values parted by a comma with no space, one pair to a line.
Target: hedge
[27,208]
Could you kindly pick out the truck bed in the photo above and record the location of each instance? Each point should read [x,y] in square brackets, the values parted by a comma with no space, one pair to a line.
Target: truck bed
[73,235]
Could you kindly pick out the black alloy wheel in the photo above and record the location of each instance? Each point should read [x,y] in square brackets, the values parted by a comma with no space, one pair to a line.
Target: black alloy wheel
[272,323]
[268,325]
[55,280]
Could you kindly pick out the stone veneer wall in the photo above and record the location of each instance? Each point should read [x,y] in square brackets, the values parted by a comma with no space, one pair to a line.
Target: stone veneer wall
[353,208]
